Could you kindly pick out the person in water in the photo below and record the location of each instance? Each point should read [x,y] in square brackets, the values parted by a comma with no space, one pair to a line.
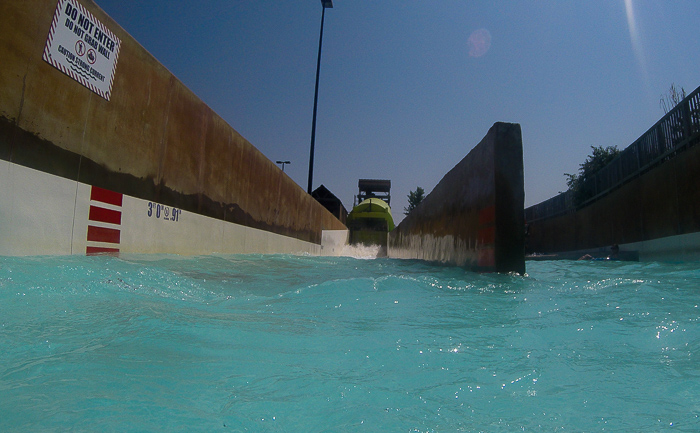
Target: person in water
[614,252]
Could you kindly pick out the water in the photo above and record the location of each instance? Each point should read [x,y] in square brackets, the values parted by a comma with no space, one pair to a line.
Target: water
[310,344]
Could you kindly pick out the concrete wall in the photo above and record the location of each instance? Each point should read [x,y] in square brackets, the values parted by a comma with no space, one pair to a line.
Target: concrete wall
[474,216]
[44,214]
[656,214]
[153,141]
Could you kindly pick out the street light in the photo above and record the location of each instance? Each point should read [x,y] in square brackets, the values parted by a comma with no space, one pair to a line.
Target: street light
[325,4]
[283,162]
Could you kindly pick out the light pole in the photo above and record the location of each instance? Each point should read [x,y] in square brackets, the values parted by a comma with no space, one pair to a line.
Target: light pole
[325,4]
[283,162]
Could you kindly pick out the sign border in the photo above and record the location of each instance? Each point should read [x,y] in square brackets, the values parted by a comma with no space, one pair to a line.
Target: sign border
[77,77]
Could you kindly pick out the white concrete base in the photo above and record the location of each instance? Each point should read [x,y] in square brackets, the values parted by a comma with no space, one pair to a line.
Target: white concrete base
[43,214]
[333,242]
[444,249]
[36,212]
[672,248]
[680,248]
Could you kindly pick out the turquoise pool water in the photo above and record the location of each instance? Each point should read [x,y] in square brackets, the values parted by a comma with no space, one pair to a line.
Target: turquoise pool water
[309,344]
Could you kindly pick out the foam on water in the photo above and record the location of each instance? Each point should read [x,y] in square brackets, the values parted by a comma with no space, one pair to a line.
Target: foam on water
[297,343]
[360,251]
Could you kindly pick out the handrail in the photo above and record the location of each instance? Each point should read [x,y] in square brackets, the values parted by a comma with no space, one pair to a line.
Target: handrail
[678,130]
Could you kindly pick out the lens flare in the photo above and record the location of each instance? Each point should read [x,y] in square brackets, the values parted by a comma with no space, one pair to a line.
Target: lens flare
[479,42]
[635,39]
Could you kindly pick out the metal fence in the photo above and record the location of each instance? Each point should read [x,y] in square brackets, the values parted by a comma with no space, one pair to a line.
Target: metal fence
[676,131]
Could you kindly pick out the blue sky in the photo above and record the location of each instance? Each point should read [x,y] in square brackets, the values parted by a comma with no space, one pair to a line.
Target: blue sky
[400,95]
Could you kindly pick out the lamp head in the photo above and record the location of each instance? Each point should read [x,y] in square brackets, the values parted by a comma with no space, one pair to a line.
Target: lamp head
[327,4]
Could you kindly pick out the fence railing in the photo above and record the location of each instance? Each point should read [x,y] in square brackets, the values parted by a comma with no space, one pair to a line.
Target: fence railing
[676,131]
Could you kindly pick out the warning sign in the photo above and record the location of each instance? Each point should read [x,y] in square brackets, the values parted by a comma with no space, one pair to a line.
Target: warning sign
[82,47]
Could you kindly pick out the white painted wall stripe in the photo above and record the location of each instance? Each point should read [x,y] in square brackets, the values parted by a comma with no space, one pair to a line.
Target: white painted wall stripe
[43,214]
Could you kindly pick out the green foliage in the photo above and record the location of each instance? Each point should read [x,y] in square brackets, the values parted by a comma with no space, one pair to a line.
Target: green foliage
[600,157]
[414,199]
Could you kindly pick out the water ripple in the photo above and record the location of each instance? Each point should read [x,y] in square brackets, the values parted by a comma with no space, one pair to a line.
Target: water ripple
[299,343]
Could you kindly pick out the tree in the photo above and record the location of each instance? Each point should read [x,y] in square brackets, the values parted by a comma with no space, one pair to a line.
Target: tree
[414,199]
[600,157]
[672,98]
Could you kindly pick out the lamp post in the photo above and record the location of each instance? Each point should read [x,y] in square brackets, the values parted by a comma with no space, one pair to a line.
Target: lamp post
[325,4]
[283,163]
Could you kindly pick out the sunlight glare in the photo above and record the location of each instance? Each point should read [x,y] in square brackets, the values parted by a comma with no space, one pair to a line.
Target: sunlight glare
[635,39]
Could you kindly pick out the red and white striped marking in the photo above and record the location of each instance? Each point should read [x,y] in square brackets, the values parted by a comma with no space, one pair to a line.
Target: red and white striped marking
[104,222]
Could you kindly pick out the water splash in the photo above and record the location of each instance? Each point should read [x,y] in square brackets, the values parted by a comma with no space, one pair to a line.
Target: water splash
[365,252]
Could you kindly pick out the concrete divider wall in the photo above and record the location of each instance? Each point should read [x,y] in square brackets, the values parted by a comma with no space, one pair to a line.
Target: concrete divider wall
[154,140]
[655,214]
[474,216]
